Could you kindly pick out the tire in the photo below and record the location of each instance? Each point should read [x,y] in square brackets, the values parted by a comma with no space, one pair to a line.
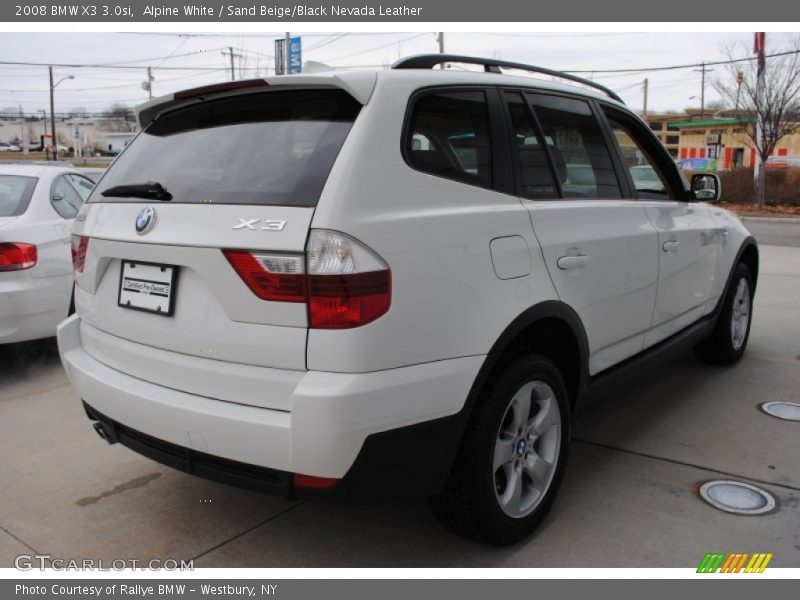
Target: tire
[478,501]
[728,341]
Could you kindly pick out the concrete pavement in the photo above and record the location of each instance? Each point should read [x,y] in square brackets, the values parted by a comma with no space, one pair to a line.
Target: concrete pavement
[629,497]
[775,231]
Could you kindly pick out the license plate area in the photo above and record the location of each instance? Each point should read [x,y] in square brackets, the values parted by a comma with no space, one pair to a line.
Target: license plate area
[148,287]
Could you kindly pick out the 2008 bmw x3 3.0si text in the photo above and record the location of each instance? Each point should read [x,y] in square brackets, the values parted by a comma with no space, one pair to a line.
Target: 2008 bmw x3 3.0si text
[365,285]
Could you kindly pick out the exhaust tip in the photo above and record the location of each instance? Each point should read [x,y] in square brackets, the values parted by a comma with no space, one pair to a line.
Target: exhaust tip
[104,434]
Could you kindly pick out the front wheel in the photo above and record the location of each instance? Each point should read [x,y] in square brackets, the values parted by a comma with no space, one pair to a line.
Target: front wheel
[512,456]
[728,341]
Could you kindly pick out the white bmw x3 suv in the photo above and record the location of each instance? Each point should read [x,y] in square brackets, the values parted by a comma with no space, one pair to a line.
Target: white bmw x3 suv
[364,285]
[38,204]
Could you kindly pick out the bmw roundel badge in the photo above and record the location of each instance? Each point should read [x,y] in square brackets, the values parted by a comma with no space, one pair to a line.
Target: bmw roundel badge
[145,220]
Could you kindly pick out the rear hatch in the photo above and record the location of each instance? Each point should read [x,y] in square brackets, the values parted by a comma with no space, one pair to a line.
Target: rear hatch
[156,243]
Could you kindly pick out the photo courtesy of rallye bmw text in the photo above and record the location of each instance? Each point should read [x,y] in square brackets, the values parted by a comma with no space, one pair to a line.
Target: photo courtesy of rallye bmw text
[450,291]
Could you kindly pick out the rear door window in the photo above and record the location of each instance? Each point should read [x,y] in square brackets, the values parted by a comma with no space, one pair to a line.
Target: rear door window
[576,143]
[15,194]
[273,148]
[450,136]
[535,175]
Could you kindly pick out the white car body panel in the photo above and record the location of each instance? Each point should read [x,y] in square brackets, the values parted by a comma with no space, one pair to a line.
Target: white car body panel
[614,292]
[34,300]
[331,413]
[690,249]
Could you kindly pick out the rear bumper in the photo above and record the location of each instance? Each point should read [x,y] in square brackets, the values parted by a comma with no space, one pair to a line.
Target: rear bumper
[383,434]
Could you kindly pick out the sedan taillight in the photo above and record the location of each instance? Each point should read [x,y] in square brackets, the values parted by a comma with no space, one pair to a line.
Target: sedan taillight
[344,283]
[80,245]
[16,256]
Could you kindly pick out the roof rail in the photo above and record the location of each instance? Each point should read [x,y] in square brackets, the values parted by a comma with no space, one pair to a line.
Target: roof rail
[490,65]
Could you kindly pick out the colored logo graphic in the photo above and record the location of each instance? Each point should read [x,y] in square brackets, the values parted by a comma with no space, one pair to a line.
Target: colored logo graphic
[145,220]
[744,562]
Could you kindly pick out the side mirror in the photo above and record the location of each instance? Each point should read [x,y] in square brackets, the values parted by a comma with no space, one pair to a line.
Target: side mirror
[706,187]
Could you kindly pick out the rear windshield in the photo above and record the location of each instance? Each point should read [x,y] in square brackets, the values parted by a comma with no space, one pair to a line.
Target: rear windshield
[273,148]
[15,194]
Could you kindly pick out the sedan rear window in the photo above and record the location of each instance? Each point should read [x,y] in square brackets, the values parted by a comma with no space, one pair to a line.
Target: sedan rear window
[273,148]
[15,194]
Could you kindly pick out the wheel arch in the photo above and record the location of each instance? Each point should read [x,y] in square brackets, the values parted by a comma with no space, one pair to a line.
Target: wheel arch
[550,328]
[748,254]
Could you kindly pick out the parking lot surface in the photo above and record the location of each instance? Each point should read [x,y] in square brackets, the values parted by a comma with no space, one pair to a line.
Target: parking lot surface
[629,498]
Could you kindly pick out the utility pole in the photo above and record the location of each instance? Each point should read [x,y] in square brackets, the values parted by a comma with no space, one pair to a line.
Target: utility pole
[286,45]
[440,40]
[232,54]
[703,70]
[644,108]
[149,83]
[22,130]
[52,116]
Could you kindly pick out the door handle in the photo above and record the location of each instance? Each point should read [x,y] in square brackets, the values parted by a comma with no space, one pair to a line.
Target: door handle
[566,263]
[671,247]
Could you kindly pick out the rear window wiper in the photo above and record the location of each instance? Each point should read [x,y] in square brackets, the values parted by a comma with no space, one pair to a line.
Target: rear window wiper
[150,189]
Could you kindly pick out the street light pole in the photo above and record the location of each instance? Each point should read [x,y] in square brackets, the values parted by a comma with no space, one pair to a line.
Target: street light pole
[53,148]
[53,85]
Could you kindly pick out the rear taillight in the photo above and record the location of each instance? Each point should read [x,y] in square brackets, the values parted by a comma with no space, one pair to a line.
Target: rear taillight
[80,245]
[348,284]
[276,277]
[344,283]
[16,256]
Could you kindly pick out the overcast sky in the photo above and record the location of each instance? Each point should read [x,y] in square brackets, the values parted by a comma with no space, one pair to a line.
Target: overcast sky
[96,88]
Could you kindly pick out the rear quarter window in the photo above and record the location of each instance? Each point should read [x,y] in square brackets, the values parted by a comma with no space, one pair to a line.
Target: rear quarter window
[270,148]
[449,136]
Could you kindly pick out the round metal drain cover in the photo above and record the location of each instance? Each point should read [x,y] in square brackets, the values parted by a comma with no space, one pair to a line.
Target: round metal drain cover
[783,410]
[737,497]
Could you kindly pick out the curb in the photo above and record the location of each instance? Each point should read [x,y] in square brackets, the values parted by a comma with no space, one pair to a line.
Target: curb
[783,219]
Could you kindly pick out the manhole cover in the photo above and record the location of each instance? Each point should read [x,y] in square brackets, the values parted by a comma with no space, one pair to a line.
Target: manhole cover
[737,497]
[783,410]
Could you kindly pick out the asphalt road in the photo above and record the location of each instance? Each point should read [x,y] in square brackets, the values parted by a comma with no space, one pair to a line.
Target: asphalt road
[629,497]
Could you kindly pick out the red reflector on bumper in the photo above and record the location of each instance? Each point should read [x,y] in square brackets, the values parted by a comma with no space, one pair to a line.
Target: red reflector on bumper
[309,481]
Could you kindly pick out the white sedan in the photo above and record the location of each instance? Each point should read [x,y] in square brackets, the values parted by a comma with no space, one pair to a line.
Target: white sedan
[38,204]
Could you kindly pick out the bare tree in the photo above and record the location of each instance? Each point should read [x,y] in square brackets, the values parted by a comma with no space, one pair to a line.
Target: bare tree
[120,117]
[775,111]
[78,112]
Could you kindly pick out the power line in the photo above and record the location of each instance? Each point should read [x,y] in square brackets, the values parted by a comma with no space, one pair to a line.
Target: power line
[95,66]
[366,50]
[691,66]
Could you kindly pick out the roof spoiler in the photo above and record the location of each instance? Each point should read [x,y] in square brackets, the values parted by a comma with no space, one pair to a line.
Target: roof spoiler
[359,85]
